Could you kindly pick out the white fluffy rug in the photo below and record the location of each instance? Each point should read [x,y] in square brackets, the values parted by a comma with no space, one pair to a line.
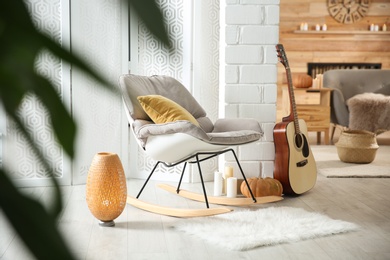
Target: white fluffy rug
[329,164]
[243,230]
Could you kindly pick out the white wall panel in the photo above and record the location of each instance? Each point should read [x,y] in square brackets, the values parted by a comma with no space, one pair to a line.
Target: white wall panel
[96,33]
[252,29]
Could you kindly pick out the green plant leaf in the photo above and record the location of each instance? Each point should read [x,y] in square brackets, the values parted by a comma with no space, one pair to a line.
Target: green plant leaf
[20,45]
[62,123]
[151,14]
[57,205]
[66,56]
[37,229]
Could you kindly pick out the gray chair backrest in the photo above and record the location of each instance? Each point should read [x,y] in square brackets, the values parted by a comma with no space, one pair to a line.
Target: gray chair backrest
[353,82]
[133,86]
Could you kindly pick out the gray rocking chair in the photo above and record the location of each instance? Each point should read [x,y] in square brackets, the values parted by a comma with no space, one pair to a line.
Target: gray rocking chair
[181,141]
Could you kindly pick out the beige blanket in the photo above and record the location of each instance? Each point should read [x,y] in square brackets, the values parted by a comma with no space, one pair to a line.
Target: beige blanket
[369,111]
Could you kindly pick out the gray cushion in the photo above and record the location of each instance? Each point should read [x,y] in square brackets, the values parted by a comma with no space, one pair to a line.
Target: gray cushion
[236,124]
[143,129]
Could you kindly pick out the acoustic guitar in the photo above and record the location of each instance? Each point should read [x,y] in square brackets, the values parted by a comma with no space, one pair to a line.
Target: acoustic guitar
[295,166]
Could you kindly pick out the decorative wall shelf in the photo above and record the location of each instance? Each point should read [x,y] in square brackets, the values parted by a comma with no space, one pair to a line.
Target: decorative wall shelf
[344,32]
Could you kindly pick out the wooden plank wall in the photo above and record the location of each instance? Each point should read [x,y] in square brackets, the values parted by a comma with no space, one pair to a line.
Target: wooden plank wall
[348,46]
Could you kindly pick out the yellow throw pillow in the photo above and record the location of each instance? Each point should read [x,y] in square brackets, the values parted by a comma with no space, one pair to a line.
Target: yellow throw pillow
[163,110]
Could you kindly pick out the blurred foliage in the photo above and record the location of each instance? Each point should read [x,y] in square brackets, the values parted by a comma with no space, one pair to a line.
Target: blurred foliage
[20,45]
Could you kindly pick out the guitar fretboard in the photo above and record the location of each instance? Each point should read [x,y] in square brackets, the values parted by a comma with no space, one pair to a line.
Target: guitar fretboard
[293,110]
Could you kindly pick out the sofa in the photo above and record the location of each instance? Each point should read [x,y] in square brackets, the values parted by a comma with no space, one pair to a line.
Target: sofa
[354,89]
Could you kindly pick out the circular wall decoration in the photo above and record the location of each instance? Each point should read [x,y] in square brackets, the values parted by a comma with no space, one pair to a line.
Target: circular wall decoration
[348,11]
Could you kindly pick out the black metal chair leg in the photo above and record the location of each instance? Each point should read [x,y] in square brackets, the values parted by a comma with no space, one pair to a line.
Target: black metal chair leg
[200,173]
[181,177]
[147,180]
[243,175]
[201,178]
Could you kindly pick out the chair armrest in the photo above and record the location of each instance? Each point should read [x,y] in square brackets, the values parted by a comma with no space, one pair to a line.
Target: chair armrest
[143,129]
[236,124]
[339,108]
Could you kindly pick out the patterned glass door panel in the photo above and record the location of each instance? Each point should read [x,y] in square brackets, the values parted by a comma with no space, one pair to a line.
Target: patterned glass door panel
[154,58]
[18,156]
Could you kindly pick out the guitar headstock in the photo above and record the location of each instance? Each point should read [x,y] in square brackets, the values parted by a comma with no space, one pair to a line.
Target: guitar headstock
[282,55]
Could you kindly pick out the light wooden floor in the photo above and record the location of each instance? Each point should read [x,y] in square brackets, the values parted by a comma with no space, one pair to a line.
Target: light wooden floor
[142,235]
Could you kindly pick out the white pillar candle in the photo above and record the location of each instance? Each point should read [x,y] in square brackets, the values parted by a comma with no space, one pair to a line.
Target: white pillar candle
[315,83]
[218,183]
[324,27]
[228,173]
[319,77]
[231,187]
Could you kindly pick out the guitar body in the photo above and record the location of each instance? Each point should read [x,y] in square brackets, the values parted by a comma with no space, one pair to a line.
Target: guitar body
[295,166]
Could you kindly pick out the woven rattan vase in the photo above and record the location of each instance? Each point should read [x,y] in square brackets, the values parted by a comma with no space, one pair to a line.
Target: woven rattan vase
[106,189]
[357,146]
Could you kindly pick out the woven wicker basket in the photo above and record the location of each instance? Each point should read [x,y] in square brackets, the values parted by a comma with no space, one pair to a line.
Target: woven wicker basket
[357,146]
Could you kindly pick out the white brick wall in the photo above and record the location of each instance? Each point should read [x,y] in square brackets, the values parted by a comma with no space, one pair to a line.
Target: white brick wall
[251,33]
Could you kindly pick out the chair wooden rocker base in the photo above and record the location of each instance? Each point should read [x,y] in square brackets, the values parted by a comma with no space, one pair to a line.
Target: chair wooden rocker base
[196,196]
[239,201]
[175,212]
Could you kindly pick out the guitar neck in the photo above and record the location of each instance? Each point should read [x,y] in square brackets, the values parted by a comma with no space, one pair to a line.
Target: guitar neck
[293,109]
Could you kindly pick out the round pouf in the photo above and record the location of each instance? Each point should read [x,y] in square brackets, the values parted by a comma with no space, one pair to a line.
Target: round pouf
[106,189]
[357,146]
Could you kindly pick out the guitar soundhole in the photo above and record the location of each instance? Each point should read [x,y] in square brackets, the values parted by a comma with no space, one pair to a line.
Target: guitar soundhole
[302,144]
[298,141]
[305,149]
